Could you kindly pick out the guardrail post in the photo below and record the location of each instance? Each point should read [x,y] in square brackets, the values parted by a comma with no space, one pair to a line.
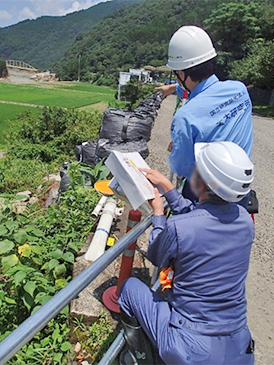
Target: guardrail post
[110,296]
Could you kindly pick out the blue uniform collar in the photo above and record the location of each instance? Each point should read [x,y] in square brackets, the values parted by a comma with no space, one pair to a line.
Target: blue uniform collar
[203,86]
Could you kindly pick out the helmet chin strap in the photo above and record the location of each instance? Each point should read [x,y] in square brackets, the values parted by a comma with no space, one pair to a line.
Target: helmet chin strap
[184,80]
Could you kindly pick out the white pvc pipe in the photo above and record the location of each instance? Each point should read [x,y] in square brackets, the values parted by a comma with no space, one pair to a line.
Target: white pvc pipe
[98,243]
[97,210]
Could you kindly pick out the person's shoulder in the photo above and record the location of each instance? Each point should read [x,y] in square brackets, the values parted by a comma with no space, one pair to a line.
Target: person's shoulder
[234,84]
[186,219]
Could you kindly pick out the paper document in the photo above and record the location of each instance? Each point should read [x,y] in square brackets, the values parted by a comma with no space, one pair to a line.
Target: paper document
[128,181]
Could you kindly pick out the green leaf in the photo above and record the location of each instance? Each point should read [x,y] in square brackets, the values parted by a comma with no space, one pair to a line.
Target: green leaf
[57,254]
[61,283]
[28,300]
[66,346]
[37,260]
[22,218]
[29,287]
[74,246]
[35,309]
[11,225]
[42,298]
[45,341]
[3,230]
[53,263]
[59,271]
[19,277]
[36,249]
[68,257]
[57,357]
[6,246]
[65,310]
[45,266]
[24,250]
[35,231]
[9,261]
[21,236]
[55,334]
[10,300]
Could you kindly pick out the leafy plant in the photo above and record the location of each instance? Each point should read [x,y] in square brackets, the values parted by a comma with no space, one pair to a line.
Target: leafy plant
[36,258]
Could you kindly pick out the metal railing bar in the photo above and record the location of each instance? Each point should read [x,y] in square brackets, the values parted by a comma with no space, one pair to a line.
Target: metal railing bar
[36,322]
[113,350]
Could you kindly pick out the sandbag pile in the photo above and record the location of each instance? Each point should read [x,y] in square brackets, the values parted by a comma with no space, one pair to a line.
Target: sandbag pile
[123,131]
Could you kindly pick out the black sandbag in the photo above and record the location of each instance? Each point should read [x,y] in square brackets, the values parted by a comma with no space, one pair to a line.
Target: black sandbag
[122,125]
[152,112]
[86,153]
[104,147]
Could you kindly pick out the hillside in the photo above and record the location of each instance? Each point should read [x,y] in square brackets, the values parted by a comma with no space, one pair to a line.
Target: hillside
[138,35]
[132,37]
[44,41]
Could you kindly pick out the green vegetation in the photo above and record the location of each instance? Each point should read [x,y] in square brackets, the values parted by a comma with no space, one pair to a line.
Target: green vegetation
[133,92]
[63,96]
[9,119]
[44,41]
[38,248]
[266,111]
[243,33]
[42,141]
[69,95]
[36,262]
[239,29]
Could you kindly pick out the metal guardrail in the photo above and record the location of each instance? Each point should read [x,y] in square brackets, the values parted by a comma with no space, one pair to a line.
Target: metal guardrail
[36,322]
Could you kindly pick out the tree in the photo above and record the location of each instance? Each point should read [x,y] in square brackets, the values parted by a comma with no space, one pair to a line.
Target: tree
[232,25]
[258,67]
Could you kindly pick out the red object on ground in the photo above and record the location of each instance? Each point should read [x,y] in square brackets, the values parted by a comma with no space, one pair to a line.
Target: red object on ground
[253,218]
[110,296]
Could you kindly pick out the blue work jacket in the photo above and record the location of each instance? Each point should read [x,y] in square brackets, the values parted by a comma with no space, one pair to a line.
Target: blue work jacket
[216,111]
[208,247]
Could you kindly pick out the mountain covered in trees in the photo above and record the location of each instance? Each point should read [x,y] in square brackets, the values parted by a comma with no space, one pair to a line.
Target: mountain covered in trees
[44,41]
[138,35]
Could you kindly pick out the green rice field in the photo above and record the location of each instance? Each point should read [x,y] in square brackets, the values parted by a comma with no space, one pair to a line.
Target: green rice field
[63,94]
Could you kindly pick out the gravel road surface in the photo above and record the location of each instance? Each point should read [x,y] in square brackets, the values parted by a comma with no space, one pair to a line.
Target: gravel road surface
[260,283]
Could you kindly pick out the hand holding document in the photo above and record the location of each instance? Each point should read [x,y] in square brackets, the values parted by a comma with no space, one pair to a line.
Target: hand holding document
[128,180]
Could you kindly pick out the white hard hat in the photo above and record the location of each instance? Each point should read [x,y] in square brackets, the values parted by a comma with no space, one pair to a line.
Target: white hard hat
[189,46]
[225,168]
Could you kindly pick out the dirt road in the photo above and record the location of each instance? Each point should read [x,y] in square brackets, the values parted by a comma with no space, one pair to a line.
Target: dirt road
[260,283]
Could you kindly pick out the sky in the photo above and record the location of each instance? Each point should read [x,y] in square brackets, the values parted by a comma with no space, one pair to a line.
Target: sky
[13,11]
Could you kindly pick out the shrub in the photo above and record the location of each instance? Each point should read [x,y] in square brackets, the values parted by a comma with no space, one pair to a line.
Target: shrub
[257,67]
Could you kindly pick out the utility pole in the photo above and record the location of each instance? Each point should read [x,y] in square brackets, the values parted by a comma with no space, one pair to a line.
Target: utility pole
[79,67]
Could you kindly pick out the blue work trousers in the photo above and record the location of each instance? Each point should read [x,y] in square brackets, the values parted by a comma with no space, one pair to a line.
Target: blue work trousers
[180,344]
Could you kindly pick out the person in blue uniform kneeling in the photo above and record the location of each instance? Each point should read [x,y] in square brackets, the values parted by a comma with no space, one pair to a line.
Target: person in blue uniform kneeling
[207,250]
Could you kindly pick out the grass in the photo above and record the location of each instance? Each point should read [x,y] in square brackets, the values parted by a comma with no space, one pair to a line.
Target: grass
[265,111]
[8,115]
[63,94]
[66,96]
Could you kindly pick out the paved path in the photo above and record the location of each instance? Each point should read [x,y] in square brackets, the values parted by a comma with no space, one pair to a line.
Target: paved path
[260,284]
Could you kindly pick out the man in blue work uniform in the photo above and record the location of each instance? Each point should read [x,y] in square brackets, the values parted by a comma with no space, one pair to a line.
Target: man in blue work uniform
[215,111]
[208,248]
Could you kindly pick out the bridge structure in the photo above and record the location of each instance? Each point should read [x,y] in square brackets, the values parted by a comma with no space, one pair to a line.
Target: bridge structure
[21,65]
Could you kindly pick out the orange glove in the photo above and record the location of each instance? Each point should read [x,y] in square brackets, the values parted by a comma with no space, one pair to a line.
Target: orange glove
[166,278]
